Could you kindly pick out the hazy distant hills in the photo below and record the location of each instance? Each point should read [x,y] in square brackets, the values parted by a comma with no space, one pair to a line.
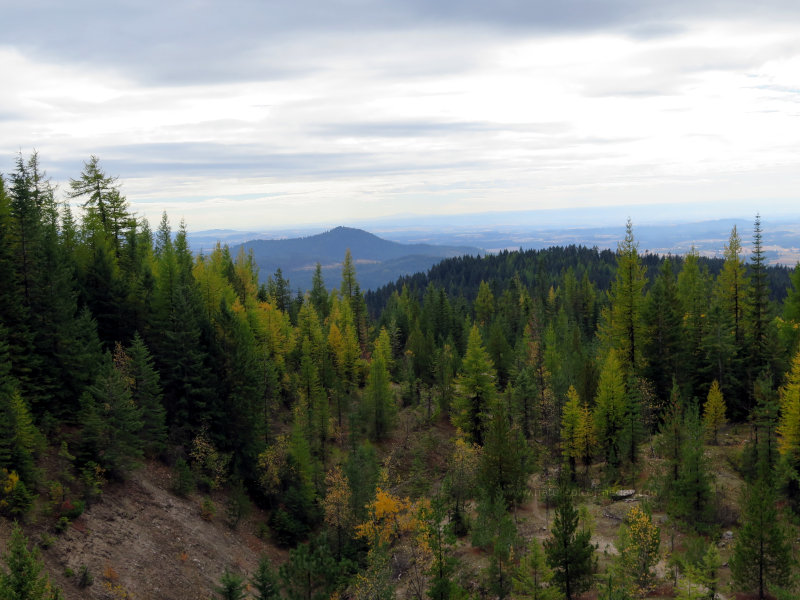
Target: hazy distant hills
[378,261]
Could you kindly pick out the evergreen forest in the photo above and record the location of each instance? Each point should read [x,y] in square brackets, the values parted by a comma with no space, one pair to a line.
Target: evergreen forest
[562,423]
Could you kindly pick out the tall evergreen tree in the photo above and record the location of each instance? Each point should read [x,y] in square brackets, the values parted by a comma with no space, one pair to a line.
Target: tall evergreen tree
[762,556]
[623,324]
[610,409]
[24,579]
[476,389]
[663,323]
[147,395]
[569,551]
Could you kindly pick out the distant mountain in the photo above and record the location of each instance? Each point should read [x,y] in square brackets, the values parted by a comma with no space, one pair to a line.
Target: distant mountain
[378,261]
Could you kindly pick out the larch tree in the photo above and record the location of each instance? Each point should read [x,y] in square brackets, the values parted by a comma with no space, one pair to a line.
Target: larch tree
[714,412]
[610,409]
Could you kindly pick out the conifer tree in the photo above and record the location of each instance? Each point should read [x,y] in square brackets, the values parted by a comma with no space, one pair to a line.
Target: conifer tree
[379,402]
[147,395]
[714,412]
[112,421]
[476,389]
[319,293]
[758,307]
[692,499]
[24,579]
[789,426]
[623,324]
[506,460]
[265,580]
[762,556]
[102,196]
[609,412]
[663,324]
[231,586]
[533,576]
[694,293]
[731,292]
[570,424]
[569,551]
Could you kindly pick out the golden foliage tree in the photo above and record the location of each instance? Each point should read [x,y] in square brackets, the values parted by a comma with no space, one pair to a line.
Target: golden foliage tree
[714,412]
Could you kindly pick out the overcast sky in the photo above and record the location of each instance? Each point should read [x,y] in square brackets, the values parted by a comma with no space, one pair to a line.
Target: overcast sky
[256,114]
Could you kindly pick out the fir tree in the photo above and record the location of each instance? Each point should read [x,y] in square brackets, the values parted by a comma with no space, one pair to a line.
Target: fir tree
[147,395]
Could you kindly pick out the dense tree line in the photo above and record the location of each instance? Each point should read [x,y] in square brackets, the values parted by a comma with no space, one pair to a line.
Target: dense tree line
[118,345]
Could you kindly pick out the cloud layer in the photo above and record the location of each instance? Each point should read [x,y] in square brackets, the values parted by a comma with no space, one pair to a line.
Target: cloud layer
[260,114]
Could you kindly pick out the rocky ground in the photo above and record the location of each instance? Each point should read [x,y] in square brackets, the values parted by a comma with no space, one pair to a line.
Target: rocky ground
[141,541]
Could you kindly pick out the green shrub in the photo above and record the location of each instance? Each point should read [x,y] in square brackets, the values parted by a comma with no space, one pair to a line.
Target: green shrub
[184,482]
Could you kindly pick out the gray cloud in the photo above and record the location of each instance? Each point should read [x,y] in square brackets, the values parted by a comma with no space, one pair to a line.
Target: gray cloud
[184,41]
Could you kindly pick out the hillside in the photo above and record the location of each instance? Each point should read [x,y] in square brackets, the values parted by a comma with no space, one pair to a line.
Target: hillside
[378,261]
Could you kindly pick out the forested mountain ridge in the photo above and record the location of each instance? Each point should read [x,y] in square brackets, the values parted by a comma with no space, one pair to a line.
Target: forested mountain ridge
[378,260]
[416,452]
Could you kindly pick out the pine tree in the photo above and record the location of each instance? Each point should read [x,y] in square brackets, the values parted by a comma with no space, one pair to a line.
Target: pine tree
[506,460]
[231,586]
[663,324]
[623,326]
[569,551]
[265,580]
[309,573]
[694,293]
[24,579]
[476,389]
[731,293]
[762,556]
[533,577]
[319,293]
[714,412]
[692,498]
[379,402]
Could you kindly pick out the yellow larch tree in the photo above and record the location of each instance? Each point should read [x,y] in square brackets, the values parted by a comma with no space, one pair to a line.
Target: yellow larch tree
[714,412]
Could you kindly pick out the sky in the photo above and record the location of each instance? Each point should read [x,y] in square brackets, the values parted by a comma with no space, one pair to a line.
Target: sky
[260,114]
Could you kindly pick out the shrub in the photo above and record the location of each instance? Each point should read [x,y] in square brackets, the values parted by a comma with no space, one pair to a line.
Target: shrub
[207,509]
[184,482]
[85,577]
